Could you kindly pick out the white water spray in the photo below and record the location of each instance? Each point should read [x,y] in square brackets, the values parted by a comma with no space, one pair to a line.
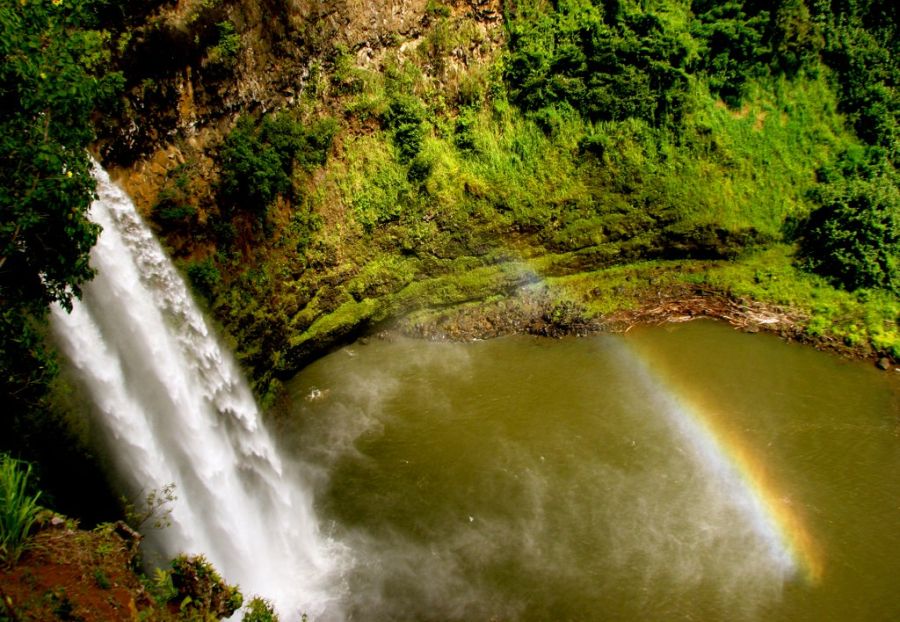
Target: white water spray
[174,409]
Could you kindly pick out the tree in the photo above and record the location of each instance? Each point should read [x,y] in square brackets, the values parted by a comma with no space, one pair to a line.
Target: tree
[854,237]
[258,157]
[611,63]
[51,82]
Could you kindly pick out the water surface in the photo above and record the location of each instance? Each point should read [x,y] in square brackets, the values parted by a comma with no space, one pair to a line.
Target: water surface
[682,473]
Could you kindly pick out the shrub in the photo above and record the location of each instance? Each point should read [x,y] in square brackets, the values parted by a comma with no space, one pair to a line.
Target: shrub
[464,132]
[253,174]
[260,610]
[437,9]
[18,508]
[101,579]
[258,158]
[420,169]
[317,139]
[854,237]
[733,50]
[176,200]
[405,117]
[859,51]
[610,65]
[199,587]
[171,214]
[302,226]
[160,586]
[292,141]
[226,50]
[204,277]
[153,511]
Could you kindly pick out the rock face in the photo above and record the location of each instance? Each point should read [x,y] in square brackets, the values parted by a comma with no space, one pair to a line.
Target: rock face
[182,79]
[186,88]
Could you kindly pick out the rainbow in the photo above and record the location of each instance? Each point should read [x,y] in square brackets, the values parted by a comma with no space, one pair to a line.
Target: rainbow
[722,452]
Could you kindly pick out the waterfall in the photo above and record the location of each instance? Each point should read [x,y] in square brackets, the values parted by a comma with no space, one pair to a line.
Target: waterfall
[172,407]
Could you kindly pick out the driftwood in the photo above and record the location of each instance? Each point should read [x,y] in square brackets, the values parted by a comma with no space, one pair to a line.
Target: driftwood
[742,314]
[541,315]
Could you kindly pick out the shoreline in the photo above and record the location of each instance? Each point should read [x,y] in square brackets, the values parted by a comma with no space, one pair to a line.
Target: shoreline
[537,314]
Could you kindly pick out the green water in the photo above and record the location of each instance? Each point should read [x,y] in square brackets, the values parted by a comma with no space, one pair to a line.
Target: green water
[605,478]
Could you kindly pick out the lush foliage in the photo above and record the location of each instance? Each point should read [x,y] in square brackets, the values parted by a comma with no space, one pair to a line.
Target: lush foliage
[80,574]
[613,60]
[862,47]
[51,80]
[18,508]
[50,83]
[602,134]
[225,51]
[609,61]
[854,237]
[258,158]
[204,277]
[253,171]
[576,137]
[259,610]
[198,588]
[405,117]
[174,208]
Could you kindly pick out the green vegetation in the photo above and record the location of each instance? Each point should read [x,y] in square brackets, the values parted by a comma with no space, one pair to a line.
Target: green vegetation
[174,209]
[405,117]
[204,277]
[259,610]
[609,61]
[854,237]
[200,592]
[259,157]
[52,78]
[74,574]
[18,508]
[153,511]
[580,137]
[735,147]
[225,51]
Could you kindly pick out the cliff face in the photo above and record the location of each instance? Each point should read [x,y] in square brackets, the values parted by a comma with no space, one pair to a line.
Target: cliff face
[195,67]
[185,93]
[320,168]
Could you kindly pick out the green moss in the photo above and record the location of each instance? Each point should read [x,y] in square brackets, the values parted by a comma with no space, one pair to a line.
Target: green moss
[332,327]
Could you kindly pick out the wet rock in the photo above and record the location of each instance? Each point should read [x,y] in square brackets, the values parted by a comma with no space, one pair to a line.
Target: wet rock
[883,363]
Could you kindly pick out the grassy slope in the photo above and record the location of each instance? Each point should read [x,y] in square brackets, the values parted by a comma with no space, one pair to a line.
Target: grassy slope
[495,200]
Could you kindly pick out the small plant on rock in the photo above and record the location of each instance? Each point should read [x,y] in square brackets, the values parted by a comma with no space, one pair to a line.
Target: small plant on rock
[153,511]
[260,610]
[200,587]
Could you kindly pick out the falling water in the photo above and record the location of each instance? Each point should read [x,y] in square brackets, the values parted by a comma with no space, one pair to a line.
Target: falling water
[173,408]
